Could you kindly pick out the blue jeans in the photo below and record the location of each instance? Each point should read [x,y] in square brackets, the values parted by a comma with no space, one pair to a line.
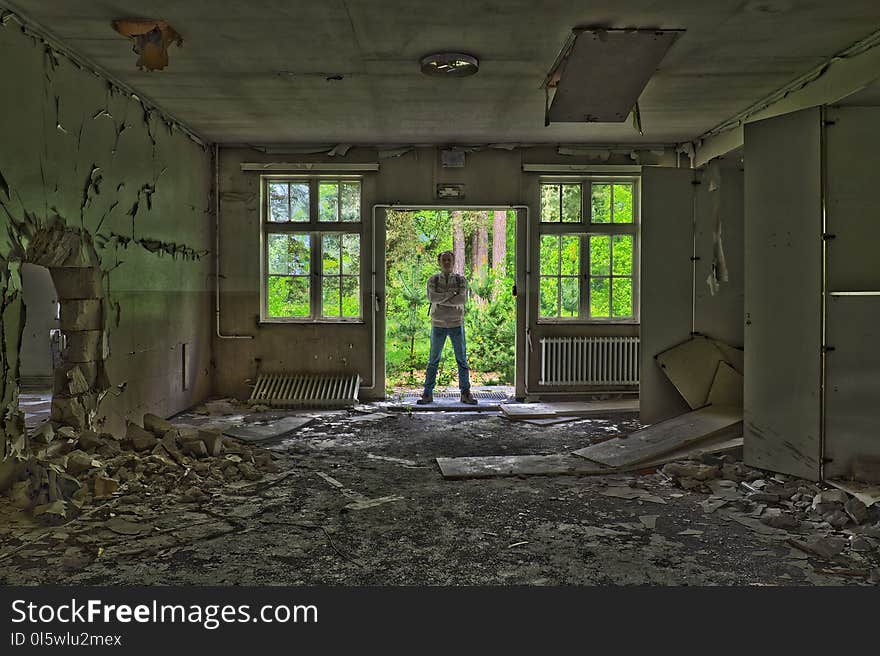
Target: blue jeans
[438,341]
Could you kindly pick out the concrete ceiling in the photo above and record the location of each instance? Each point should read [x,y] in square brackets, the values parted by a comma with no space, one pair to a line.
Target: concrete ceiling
[253,72]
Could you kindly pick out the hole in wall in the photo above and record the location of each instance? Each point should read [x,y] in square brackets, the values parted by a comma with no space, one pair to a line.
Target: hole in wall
[41,345]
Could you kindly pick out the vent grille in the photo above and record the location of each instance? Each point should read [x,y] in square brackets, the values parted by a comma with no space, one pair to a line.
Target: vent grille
[306,390]
[589,361]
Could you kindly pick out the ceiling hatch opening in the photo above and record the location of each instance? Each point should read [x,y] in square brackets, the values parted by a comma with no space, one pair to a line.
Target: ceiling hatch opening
[600,74]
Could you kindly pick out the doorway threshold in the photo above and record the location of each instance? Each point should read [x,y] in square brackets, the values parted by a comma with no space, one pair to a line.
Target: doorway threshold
[490,398]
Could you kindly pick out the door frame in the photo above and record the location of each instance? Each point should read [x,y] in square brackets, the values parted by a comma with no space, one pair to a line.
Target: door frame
[378,274]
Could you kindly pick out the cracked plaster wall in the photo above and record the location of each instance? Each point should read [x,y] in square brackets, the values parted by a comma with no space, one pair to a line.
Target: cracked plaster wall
[89,177]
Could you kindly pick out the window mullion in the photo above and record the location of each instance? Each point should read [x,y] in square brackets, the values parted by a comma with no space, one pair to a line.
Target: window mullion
[586,267]
[315,277]
[339,282]
[559,275]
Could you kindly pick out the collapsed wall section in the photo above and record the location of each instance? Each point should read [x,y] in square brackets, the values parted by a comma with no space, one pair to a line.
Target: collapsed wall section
[114,199]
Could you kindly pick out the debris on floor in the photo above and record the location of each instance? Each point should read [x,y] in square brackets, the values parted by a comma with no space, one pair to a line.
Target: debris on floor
[70,469]
[353,503]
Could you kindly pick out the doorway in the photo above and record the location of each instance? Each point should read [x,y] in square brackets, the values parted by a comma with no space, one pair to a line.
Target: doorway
[40,352]
[484,244]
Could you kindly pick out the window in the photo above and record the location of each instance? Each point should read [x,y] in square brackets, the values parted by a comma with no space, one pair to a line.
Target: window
[587,261]
[311,249]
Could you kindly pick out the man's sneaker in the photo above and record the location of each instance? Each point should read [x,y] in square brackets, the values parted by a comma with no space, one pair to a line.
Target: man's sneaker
[425,399]
[467,397]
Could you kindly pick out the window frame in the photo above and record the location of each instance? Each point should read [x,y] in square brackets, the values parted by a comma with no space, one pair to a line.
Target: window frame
[585,229]
[315,229]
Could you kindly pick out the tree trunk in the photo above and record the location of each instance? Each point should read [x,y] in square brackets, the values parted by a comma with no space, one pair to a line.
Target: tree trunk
[480,251]
[458,242]
[499,249]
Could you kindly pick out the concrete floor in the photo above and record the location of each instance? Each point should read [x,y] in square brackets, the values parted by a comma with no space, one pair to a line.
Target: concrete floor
[296,528]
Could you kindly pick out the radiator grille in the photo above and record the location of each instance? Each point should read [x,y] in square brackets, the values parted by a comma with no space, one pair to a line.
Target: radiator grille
[589,361]
[306,390]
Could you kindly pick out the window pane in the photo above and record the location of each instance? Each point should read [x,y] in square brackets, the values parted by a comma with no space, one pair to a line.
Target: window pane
[622,297]
[571,203]
[550,203]
[351,296]
[549,297]
[570,297]
[600,297]
[601,203]
[299,201]
[328,201]
[600,255]
[351,201]
[549,255]
[330,296]
[289,254]
[623,203]
[298,254]
[288,296]
[351,254]
[278,256]
[330,254]
[278,202]
[623,255]
[571,255]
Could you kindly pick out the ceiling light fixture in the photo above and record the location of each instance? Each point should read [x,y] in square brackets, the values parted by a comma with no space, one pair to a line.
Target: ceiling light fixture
[450,64]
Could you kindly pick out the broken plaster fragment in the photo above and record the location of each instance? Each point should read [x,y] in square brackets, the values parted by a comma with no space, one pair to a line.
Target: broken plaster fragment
[151,41]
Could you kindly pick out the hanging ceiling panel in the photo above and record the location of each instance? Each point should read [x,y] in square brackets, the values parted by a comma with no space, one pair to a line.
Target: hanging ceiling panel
[604,73]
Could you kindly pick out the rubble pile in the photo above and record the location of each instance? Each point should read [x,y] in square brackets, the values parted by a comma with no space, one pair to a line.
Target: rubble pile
[71,468]
[824,522]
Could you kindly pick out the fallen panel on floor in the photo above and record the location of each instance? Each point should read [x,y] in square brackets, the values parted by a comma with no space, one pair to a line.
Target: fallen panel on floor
[568,409]
[667,436]
[492,466]
[257,432]
[691,368]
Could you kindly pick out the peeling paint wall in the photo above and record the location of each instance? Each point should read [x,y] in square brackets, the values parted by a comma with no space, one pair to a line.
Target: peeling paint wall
[115,200]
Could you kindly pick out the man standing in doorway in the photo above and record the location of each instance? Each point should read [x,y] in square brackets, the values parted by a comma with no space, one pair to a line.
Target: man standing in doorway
[447,294]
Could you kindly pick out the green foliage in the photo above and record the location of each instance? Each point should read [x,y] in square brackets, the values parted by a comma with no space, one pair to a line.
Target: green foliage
[288,282]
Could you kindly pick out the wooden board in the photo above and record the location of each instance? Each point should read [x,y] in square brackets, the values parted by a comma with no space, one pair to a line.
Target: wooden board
[568,409]
[666,285]
[727,387]
[783,293]
[257,433]
[691,366]
[670,435]
[496,466]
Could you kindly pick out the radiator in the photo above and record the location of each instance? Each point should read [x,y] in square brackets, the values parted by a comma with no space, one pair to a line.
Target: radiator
[589,361]
[306,390]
